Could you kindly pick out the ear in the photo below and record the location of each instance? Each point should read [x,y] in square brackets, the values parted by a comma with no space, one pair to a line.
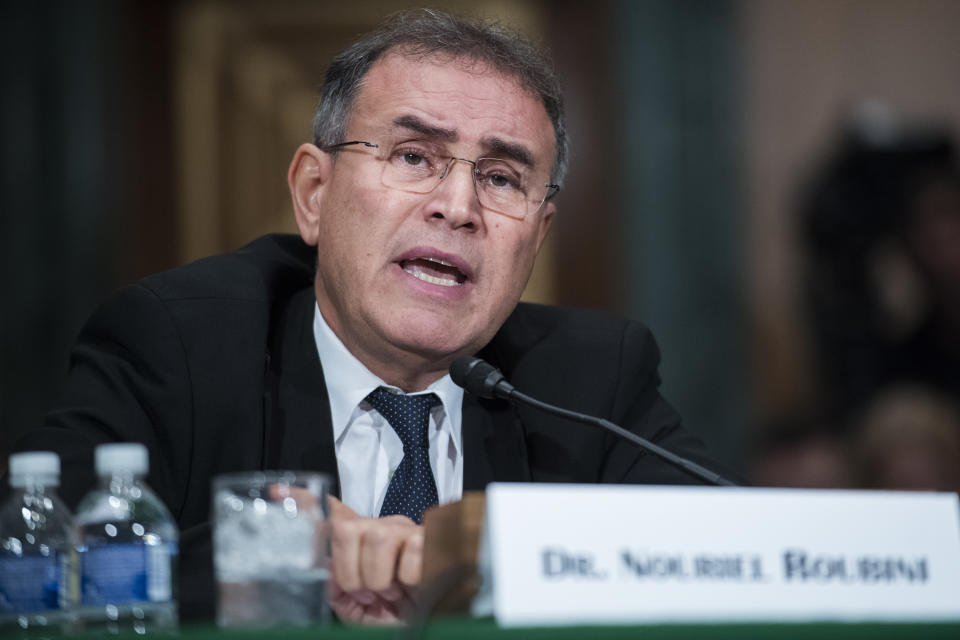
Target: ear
[309,172]
[546,219]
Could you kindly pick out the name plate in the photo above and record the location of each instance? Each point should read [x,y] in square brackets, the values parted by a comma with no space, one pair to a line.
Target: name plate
[554,554]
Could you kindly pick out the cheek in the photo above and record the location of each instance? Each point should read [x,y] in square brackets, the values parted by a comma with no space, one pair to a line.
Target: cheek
[353,227]
[515,263]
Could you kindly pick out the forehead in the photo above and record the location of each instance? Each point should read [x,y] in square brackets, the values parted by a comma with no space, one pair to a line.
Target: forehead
[461,95]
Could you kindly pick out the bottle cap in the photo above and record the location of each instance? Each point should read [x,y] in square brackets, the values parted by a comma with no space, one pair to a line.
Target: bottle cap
[116,457]
[34,464]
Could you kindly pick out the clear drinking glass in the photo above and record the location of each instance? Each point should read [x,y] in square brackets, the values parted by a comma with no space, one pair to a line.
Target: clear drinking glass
[270,548]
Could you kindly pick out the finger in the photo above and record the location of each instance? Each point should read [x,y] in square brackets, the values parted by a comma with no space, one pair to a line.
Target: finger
[347,609]
[345,541]
[339,510]
[410,562]
[364,596]
[380,551]
[382,613]
[394,593]
[340,602]
[351,611]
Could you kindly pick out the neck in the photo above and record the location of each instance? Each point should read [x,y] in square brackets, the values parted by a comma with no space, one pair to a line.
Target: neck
[409,370]
[406,370]
[409,381]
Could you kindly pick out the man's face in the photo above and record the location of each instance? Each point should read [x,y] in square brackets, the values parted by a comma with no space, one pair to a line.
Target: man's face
[425,278]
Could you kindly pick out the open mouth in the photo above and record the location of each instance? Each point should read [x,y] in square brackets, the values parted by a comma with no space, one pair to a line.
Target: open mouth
[434,271]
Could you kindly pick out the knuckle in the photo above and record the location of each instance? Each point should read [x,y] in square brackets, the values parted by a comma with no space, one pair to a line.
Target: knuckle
[344,530]
[379,536]
[399,521]
[415,542]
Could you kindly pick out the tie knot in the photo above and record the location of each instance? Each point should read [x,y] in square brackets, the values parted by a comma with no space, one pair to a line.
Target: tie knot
[408,415]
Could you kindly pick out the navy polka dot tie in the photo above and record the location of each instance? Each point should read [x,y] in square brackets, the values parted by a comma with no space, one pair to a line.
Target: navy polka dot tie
[412,488]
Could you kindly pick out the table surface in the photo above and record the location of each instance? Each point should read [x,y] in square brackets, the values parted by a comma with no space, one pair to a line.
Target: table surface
[466,629]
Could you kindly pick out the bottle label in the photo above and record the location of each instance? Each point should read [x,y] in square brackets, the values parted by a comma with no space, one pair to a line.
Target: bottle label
[30,583]
[118,573]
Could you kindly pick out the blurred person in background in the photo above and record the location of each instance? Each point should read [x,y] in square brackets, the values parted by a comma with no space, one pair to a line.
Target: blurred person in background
[802,453]
[881,224]
[908,437]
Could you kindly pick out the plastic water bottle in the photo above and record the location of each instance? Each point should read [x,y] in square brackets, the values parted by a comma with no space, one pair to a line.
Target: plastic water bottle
[38,585]
[128,548]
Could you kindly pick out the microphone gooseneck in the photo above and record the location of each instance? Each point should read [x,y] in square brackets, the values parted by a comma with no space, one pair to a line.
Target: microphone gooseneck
[483,379]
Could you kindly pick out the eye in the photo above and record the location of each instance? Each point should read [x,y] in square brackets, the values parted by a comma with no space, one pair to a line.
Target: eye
[413,159]
[499,176]
[498,180]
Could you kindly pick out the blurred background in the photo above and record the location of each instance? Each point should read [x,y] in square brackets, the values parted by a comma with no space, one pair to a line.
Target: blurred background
[772,186]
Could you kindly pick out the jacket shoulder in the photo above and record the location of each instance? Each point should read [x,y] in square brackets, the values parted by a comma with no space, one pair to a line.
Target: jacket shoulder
[535,327]
[566,348]
[271,266]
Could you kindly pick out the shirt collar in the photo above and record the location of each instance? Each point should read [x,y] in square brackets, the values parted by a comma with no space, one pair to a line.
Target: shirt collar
[353,382]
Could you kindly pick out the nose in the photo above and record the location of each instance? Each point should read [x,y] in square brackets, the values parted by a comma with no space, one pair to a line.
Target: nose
[455,200]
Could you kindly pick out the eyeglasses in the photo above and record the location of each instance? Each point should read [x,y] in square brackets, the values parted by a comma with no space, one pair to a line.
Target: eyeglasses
[502,186]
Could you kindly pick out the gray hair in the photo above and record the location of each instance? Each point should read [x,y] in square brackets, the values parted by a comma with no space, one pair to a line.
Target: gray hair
[424,33]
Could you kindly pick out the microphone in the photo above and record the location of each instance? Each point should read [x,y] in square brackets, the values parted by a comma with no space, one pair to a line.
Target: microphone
[483,379]
[480,378]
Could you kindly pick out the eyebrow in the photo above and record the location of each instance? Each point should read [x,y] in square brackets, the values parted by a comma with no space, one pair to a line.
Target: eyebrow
[414,123]
[502,148]
[494,146]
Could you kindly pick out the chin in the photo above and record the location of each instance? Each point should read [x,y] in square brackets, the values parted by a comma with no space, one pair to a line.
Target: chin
[436,340]
[434,346]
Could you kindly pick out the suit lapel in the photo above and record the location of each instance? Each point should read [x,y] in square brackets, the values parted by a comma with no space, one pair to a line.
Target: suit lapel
[494,448]
[299,429]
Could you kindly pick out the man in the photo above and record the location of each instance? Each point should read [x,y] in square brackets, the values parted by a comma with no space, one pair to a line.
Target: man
[421,206]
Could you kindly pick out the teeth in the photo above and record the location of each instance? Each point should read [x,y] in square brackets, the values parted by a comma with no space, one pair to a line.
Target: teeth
[439,261]
[426,277]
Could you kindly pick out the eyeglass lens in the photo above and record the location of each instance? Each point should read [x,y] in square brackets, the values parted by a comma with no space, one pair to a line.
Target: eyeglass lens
[501,185]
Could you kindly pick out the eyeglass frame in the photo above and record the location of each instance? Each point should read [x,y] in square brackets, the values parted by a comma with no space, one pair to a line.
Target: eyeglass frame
[552,189]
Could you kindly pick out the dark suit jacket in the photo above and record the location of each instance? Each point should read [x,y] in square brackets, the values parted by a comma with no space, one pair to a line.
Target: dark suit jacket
[214,367]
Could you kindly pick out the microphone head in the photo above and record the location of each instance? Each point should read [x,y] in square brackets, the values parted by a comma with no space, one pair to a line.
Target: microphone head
[479,378]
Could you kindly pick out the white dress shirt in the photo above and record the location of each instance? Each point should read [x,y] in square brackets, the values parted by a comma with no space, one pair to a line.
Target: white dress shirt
[368,449]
